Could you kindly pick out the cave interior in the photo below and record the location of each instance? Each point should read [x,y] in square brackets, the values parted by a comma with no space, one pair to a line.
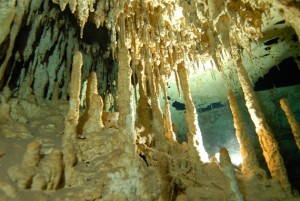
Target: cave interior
[168,100]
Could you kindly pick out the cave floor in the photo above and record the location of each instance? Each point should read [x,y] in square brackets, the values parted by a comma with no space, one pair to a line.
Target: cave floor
[109,170]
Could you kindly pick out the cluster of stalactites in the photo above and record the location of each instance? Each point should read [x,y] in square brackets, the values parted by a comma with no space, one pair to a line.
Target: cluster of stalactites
[166,33]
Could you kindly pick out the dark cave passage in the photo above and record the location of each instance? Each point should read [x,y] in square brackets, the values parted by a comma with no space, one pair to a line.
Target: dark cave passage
[285,74]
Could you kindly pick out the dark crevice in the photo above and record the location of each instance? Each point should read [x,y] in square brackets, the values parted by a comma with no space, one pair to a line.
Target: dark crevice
[272,41]
[285,74]
[178,106]
[268,48]
[3,49]
[295,38]
[210,107]
[280,22]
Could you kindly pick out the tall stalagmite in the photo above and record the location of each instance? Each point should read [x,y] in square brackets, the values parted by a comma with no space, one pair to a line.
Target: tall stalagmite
[124,91]
[266,138]
[194,134]
[119,41]
[70,134]
[291,119]
[250,162]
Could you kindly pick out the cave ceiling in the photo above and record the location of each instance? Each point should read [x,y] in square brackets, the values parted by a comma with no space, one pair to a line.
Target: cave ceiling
[207,36]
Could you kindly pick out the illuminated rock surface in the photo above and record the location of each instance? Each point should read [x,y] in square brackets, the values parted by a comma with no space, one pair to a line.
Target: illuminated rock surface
[127,100]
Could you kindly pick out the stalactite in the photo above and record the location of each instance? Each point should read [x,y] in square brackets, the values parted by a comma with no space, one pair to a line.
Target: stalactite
[157,116]
[194,135]
[22,7]
[160,36]
[250,162]
[291,119]
[228,169]
[177,82]
[169,133]
[143,110]
[156,110]
[266,138]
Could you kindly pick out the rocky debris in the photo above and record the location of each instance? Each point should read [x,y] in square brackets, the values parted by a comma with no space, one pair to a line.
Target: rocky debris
[23,174]
[37,173]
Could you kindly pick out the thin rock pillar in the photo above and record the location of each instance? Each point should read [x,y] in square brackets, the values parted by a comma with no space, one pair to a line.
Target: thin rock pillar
[266,138]
[291,119]
[70,134]
[250,162]
[169,133]
[194,135]
[228,169]
[124,91]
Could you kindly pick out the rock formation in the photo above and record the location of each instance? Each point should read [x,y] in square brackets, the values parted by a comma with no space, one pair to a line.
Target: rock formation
[87,108]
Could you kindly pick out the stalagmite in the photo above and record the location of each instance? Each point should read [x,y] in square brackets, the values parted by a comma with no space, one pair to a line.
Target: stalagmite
[228,170]
[88,154]
[291,119]
[92,88]
[23,174]
[124,91]
[194,135]
[94,118]
[250,162]
[50,172]
[126,119]
[94,110]
[71,122]
[266,138]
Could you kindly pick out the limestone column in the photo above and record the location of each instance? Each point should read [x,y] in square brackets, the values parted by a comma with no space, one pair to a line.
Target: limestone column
[169,133]
[194,135]
[266,138]
[143,110]
[71,122]
[250,162]
[156,110]
[291,119]
[124,91]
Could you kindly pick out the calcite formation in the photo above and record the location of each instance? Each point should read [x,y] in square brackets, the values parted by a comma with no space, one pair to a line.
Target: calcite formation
[226,166]
[250,163]
[81,86]
[292,120]
[266,137]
